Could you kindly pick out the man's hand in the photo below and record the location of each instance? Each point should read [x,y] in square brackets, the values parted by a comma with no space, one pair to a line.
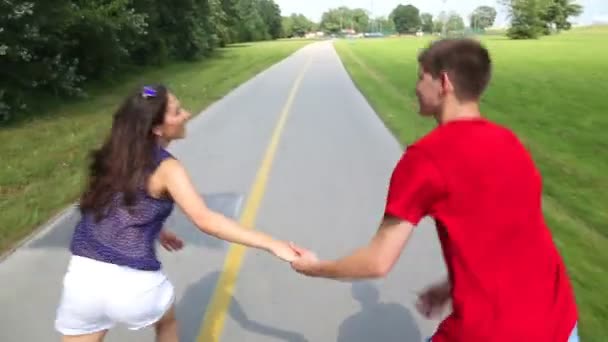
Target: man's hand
[306,263]
[170,241]
[433,300]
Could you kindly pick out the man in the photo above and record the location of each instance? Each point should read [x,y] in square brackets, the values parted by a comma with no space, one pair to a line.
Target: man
[506,279]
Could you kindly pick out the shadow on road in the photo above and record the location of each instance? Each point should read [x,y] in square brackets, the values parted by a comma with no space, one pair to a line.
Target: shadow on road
[376,321]
[191,311]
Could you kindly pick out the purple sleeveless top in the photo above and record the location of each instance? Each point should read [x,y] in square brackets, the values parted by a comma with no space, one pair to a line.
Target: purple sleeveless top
[125,238]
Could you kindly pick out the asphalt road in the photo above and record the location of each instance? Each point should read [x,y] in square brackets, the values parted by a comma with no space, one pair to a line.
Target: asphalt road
[321,183]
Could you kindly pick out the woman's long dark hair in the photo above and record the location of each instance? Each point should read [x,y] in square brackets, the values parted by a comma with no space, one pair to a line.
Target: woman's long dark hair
[123,162]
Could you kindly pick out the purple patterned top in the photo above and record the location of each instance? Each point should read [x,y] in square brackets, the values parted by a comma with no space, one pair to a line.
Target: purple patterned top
[123,238]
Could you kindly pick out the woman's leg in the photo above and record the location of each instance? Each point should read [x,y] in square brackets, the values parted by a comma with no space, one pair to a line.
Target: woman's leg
[94,337]
[166,328]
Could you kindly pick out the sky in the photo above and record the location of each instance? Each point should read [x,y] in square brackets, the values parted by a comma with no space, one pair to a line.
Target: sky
[593,10]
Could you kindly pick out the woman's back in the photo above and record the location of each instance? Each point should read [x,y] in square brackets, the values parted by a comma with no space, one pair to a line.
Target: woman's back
[125,235]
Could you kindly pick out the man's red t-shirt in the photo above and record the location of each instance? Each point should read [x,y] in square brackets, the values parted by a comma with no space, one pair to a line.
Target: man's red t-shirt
[479,183]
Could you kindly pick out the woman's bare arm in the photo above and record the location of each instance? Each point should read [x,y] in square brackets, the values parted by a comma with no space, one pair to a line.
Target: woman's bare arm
[179,186]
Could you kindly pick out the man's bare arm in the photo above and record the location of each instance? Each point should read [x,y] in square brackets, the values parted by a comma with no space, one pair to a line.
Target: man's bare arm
[372,261]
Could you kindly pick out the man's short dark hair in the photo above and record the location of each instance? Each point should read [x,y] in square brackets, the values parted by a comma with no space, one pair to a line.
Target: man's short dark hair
[466,61]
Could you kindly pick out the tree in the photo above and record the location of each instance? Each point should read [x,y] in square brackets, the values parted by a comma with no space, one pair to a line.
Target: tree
[526,18]
[287,27]
[32,58]
[533,18]
[251,26]
[232,19]
[334,20]
[296,25]
[102,34]
[439,22]
[187,24]
[271,14]
[360,20]
[426,21]
[337,19]
[455,23]
[483,17]
[382,24]
[220,25]
[557,13]
[406,19]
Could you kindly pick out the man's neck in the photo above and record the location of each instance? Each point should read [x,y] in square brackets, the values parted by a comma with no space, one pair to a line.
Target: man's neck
[458,111]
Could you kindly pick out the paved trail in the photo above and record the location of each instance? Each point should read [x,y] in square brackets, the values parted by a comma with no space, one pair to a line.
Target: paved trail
[298,151]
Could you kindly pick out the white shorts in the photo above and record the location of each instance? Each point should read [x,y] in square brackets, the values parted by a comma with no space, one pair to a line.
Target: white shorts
[98,295]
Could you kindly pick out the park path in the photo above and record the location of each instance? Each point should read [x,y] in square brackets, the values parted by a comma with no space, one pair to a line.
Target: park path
[298,152]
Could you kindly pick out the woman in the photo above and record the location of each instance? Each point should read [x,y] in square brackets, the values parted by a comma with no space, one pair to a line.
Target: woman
[114,275]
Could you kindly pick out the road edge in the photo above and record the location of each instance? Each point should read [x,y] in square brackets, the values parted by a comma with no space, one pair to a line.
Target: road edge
[56,220]
[369,103]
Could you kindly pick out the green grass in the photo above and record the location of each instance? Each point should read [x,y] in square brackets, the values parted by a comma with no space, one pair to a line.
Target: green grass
[44,159]
[551,92]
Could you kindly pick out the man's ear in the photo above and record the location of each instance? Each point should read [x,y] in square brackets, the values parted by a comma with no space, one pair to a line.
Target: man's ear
[446,83]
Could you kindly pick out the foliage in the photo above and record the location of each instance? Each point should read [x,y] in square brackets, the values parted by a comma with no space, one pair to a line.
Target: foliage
[382,24]
[557,13]
[337,19]
[406,19]
[439,22]
[455,23]
[483,17]
[50,48]
[531,19]
[296,25]
[426,21]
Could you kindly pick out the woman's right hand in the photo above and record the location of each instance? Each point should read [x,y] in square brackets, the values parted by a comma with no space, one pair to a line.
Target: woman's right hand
[283,250]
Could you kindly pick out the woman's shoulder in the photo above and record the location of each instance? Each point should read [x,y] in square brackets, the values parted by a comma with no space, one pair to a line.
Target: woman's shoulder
[161,154]
[167,164]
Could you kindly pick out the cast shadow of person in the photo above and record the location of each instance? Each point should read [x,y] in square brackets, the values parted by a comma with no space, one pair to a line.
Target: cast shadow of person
[191,309]
[376,321]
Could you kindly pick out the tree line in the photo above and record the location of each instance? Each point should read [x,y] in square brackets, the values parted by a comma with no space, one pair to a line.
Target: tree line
[404,19]
[529,19]
[53,47]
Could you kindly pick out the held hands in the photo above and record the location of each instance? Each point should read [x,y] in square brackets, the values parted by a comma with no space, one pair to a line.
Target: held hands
[282,250]
[306,263]
[302,260]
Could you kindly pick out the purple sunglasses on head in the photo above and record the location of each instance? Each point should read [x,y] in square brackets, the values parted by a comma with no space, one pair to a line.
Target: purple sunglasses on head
[148,92]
